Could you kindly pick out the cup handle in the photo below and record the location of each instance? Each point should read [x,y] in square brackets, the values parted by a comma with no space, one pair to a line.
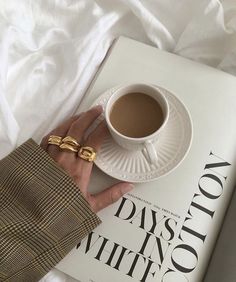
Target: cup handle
[151,152]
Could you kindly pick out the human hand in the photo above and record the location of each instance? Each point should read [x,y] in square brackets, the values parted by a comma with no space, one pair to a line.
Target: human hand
[80,169]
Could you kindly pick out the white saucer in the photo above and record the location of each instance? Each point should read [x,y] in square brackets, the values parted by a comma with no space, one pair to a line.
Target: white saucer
[172,145]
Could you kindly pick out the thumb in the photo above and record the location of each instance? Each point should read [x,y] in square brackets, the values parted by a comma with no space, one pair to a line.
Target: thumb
[110,195]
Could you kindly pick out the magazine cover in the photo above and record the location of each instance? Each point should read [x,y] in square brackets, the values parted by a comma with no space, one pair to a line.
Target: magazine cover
[166,228]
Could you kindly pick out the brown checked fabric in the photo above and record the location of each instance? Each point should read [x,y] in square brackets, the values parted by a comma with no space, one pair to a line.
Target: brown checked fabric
[43,215]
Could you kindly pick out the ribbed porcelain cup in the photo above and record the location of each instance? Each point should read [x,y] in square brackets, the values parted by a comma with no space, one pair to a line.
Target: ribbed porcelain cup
[151,118]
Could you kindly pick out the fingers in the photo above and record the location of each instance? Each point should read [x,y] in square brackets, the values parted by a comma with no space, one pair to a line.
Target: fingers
[110,195]
[94,140]
[78,168]
[79,127]
[74,127]
[61,130]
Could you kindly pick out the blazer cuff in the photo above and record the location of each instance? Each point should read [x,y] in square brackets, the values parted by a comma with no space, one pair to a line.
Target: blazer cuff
[43,214]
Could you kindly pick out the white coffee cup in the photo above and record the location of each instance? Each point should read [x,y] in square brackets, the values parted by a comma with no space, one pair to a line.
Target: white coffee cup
[146,143]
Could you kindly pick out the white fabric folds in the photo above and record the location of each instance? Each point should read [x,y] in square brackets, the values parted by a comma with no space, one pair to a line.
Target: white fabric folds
[50,50]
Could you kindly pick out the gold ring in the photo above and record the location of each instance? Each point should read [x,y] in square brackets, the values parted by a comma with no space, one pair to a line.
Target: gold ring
[54,140]
[65,146]
[87,153]
[71,141]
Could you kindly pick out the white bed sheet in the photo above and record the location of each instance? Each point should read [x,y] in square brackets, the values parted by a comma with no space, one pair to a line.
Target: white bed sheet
[51,49]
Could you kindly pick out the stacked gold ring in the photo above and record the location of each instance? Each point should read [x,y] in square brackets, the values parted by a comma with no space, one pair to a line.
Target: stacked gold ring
[87,153]
[55,140]
[70,143]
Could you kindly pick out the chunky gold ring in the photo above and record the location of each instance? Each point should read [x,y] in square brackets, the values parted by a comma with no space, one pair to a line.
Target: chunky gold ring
[65,146]
[87,153]
[71,141]
[55,140]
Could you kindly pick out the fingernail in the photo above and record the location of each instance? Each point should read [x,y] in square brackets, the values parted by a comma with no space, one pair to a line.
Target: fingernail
[127,188]
[98,107]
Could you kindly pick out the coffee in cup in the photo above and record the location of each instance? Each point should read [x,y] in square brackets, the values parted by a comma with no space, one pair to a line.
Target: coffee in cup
[135,115]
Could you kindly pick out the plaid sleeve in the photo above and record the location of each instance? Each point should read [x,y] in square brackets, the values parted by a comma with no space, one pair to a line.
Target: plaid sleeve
[42,214]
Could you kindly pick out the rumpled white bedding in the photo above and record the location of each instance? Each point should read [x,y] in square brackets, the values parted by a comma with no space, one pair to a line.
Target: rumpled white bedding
[51,49]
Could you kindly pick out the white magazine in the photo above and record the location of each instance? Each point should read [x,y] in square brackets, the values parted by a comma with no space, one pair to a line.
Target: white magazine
[164,230]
